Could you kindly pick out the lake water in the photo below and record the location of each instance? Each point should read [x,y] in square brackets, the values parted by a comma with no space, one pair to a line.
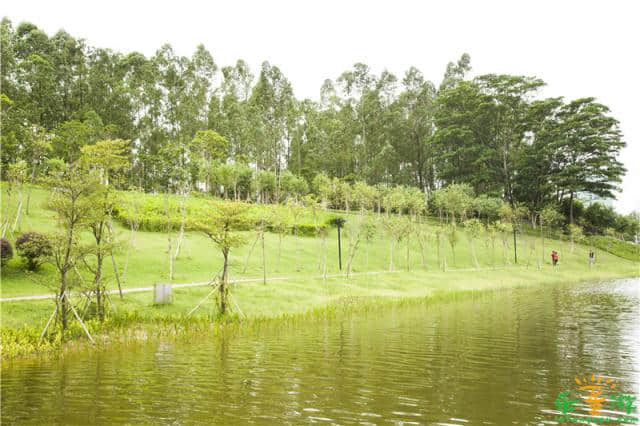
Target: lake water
[499,358]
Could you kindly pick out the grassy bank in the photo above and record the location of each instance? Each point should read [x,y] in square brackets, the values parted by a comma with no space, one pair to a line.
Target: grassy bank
[302,292]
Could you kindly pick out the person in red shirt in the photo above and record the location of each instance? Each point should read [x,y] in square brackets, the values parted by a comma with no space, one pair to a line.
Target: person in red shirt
[554,257]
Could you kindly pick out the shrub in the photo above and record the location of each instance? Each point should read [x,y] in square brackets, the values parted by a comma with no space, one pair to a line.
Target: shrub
[34,247]
[6,251]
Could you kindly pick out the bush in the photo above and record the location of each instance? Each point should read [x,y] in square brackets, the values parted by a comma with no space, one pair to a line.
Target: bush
[34,247]
[150,215]
[6,251]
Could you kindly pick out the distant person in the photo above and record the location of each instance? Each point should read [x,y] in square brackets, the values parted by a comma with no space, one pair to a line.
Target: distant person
[554,257]
[592,258]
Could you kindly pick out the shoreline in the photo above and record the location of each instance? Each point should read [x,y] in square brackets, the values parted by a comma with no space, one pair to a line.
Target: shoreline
[132,327]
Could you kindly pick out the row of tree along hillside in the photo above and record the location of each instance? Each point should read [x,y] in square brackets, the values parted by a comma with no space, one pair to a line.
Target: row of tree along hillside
[191,124]
[85,202]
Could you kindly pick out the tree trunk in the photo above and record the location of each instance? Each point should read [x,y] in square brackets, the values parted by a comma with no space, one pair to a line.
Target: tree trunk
[279,249]
[408,251]
[7,202]
[18,213]
[542,242]
[473,254]
[246,262]
[33,175]
[64,303]
[424,262]
[453,254]
[183,214]
[169,251]
[440,265]
[571,208]
[97,282]
[515,251]
[264,262]
[223,284]
[113,259]
[352,255]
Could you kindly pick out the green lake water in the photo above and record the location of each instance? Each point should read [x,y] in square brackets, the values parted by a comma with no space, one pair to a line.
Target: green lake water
[497,358]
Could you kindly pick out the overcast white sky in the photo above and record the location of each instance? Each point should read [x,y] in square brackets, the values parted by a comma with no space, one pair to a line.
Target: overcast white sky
[580,48]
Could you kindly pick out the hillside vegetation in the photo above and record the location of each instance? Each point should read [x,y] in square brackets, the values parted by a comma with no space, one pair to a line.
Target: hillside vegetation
[142,260]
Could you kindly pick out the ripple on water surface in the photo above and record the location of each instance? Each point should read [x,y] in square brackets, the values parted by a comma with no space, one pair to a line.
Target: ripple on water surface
[496,358]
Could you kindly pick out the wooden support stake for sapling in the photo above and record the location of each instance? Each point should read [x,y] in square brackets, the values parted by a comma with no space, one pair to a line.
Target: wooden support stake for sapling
[203,300]
[113,259]
[46,327]
[84,327]
[246,262]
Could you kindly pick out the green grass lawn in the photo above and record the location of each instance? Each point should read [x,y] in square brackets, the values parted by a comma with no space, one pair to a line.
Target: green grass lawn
[300,259]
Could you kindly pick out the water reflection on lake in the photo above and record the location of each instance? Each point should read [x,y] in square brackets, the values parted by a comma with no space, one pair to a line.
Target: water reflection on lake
[497,358]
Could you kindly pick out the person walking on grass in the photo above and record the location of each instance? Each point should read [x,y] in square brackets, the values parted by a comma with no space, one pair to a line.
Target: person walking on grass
[554,258]
[592,258]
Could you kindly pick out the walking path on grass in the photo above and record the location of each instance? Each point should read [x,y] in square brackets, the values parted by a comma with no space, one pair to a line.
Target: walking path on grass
[244,280]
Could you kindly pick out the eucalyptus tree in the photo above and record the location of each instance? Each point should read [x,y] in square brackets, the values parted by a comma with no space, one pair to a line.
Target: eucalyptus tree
[272,99]
[366,99]
[231,113]
[206,149]
[416,125]
[455,72]
[35,75]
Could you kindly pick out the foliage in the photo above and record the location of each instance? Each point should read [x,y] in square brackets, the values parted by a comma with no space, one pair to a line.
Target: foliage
[455,199]
[34,247]
[149,212]
[615,246]
[6,251]
[372,140]
[219,227]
